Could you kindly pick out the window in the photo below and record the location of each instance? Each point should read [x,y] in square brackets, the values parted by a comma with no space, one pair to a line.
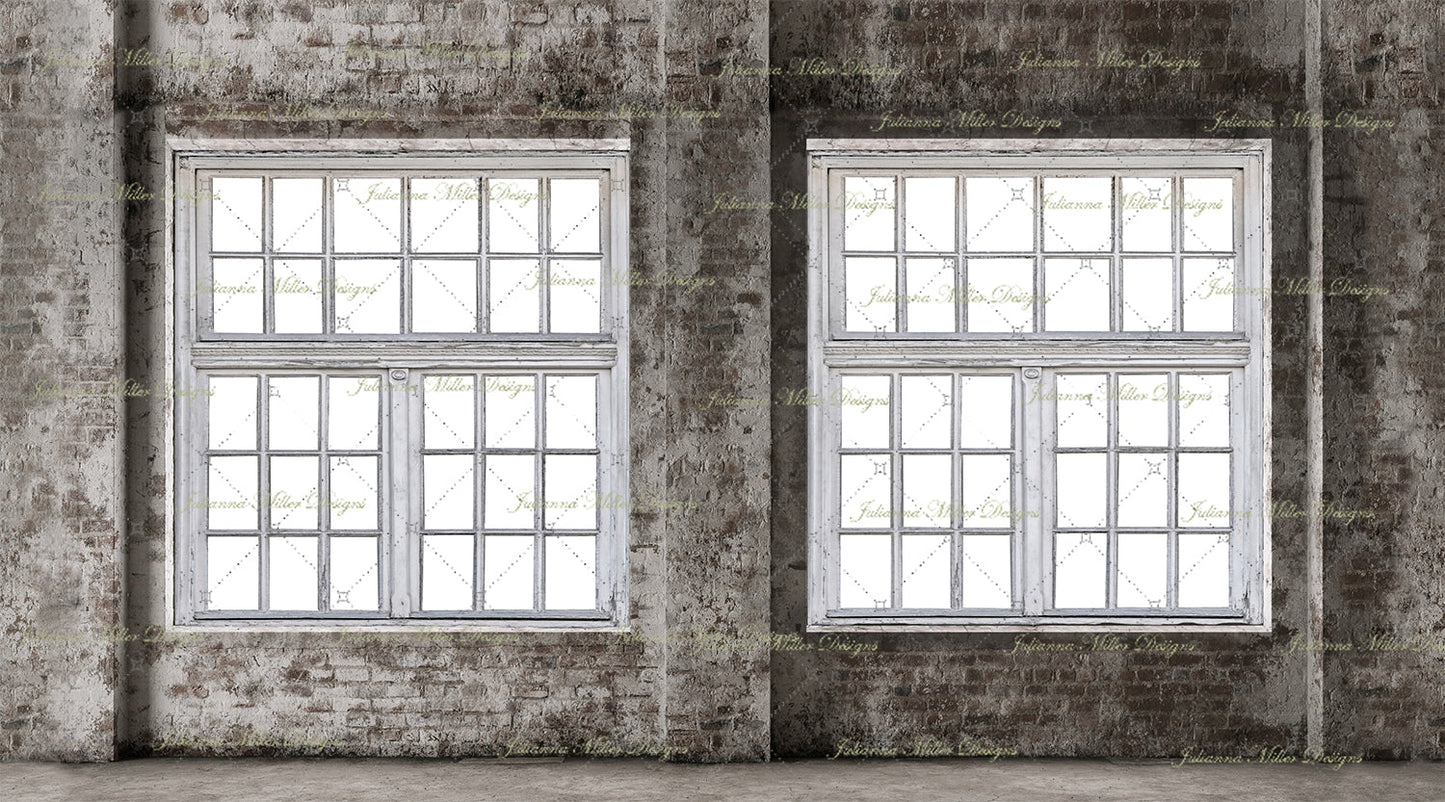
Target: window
[409,383]
[1044,374]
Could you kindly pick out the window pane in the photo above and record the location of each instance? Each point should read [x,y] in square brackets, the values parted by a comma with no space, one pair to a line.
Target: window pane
[232,488]
[570,491]
[866,576]
[444,215]
[353,421]
[367,215]
[1143,490]
[929,213]
[1082,488]
[1143,570]
[1000,213]
[987,571]
[235,295]
[297,214]
[1081,408]
[353,501]
[1000,295]
[927,571]
[986,412]
[870,293]
[1148,214]
[295,494]
[296,284]
[1079,564]
[927,492]
[444,295]
[987,491]
[571,578]
[233,568]
[575,223]
[508,572]
[514,295]
[292,421]
[236,214]
[1208,214]
[864,424]
[511,417]
[1204,490]
[576,295]
[1144,401]
[293,573]
[931,296]
[367,296]
[1078,214]
[868,217]
[510,497]
[1076,295]
[446,572]
[927,411]
[354,575]
[1204,570]
[232,412]
[1208,294]
[867,491]
[1203,410]
[449,404]
[571,416]
[512,215]
[1148,294]
[448,480]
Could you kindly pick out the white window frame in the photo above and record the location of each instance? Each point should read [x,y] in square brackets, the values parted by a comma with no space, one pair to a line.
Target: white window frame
[190,351]
[831,350]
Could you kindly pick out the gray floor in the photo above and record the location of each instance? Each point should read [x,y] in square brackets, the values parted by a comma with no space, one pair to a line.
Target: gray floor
[622,781]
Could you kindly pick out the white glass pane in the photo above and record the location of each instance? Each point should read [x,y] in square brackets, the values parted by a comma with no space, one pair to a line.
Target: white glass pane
[231,501]
[354,576]
[927,571]
[293,573]
[297,287]
[927,411]
[514,295]
[511,410]
[1204,490]
[353,501]
[569,484]
[576,214]
[1082,408]
[931,297]
[236,214]
[865,425]
[367,215]
[571,577]
[507,573]
[1148,294]
[353,418]
[1078,214]
[367,296]
[297,215]
[1143,410]
[1000,295]
[448,406]
[1079,564]
[232,412]
[1209,294]
[1203,410]
[293,423]
[870,293]
[235,295]
[571,413]
[1143,490]
[986,412]
[444,296]
[512,216]
[867,491]
[449,480]
[1208,214]
[447,571]
[987,497]
[1077,296]
[1082,482]
[987,571]
[1000,213]
[444,215]
[927,492]
[295,494]
[866,576]
[576,295]
[233,565]
[868,213]
[1143,570]
[930,209]
[510,496]
[1148,214]
[1204,570]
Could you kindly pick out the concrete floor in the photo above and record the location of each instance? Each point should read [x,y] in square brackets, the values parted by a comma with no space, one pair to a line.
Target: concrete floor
[347,780]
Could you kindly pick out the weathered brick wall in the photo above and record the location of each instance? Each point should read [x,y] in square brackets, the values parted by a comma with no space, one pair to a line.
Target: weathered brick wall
[1222,694]
[1385,390]
[60,455]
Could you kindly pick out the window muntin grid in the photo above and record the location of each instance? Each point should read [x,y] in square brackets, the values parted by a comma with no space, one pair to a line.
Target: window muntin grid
[571,340]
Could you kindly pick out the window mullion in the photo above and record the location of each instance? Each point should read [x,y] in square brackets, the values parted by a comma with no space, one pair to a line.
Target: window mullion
[1036,569]
[401,547]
